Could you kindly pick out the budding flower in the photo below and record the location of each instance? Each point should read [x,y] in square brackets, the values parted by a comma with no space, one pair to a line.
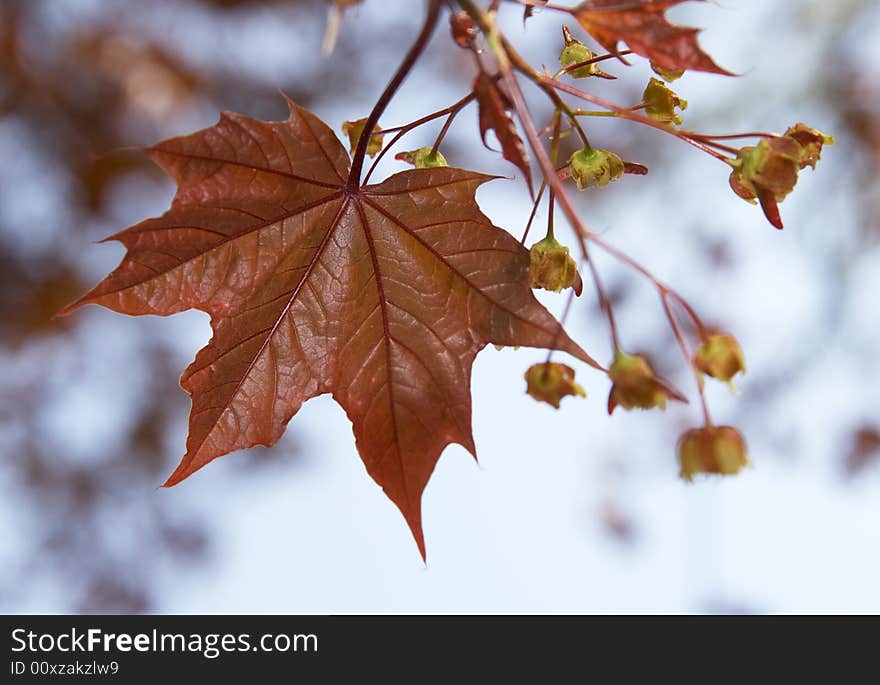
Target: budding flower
[714,449]
[575,52]
[768,172]
[423,158]
[636,386]
[354,129]
[593,167]
[464,33]
[662,102]
[721,357]
[668,75]
[550,382]
[551,267]
[812,142]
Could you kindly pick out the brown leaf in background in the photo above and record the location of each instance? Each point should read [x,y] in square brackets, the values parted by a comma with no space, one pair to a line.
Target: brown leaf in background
[864,450]
[643,26]
[494,114]
[381,295]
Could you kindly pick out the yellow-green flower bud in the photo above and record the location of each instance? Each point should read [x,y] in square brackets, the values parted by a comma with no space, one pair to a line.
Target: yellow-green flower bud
[714,449]
[591,167]
[636,386]
[575,52]
[353,130]
[423,158]
[662,102]
[721,357]
[550,382]
[551,267]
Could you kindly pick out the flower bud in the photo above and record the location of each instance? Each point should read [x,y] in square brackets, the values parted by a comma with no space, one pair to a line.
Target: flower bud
[772,165]
[662,102]
[550,382]
[668,75]
[811,142]
[423,158]
[636,386]
[353,130]
[714,449]
[767,172]
[575,52]
[720,356]
[551,267]
[463,30]
[593,167]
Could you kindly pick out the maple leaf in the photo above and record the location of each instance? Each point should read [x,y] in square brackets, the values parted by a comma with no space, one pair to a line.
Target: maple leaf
[381,295]
[643,26]
[494,106]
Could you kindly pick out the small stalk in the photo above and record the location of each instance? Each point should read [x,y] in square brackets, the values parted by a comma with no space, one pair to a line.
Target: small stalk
[357,164]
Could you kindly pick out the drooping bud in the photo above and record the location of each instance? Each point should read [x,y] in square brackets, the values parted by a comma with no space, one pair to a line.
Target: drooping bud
[662,102]
[714,449]
[811,140]
[721,357]
[575,52]
[668,75]
[767,172]
[636,386]
[592,167]
[354,129]
[550,382]
[551,267]
[423,158]
[463,30]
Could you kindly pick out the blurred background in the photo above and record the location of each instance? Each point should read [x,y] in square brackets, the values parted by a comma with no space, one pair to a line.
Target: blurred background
[568,511]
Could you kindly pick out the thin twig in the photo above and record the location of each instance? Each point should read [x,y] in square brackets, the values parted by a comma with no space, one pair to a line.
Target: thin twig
[415,51]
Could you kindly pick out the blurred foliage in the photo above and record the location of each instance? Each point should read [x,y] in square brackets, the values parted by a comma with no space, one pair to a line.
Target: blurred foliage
[82,84]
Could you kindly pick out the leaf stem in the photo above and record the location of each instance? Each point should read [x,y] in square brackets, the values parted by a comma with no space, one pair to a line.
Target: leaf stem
[415,51]
[628,113]
[406,128]
[685,350]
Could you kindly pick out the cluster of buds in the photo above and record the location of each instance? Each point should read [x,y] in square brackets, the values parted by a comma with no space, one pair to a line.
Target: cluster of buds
[661,102]
[551,267]
[634,385]
[592,167]
[550,382]
[423,158]
[768,171]
[713,449]
[354,129]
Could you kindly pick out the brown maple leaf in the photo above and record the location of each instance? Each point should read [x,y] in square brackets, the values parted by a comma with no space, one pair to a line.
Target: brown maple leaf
[494,106]
[643,26]
[381,295]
